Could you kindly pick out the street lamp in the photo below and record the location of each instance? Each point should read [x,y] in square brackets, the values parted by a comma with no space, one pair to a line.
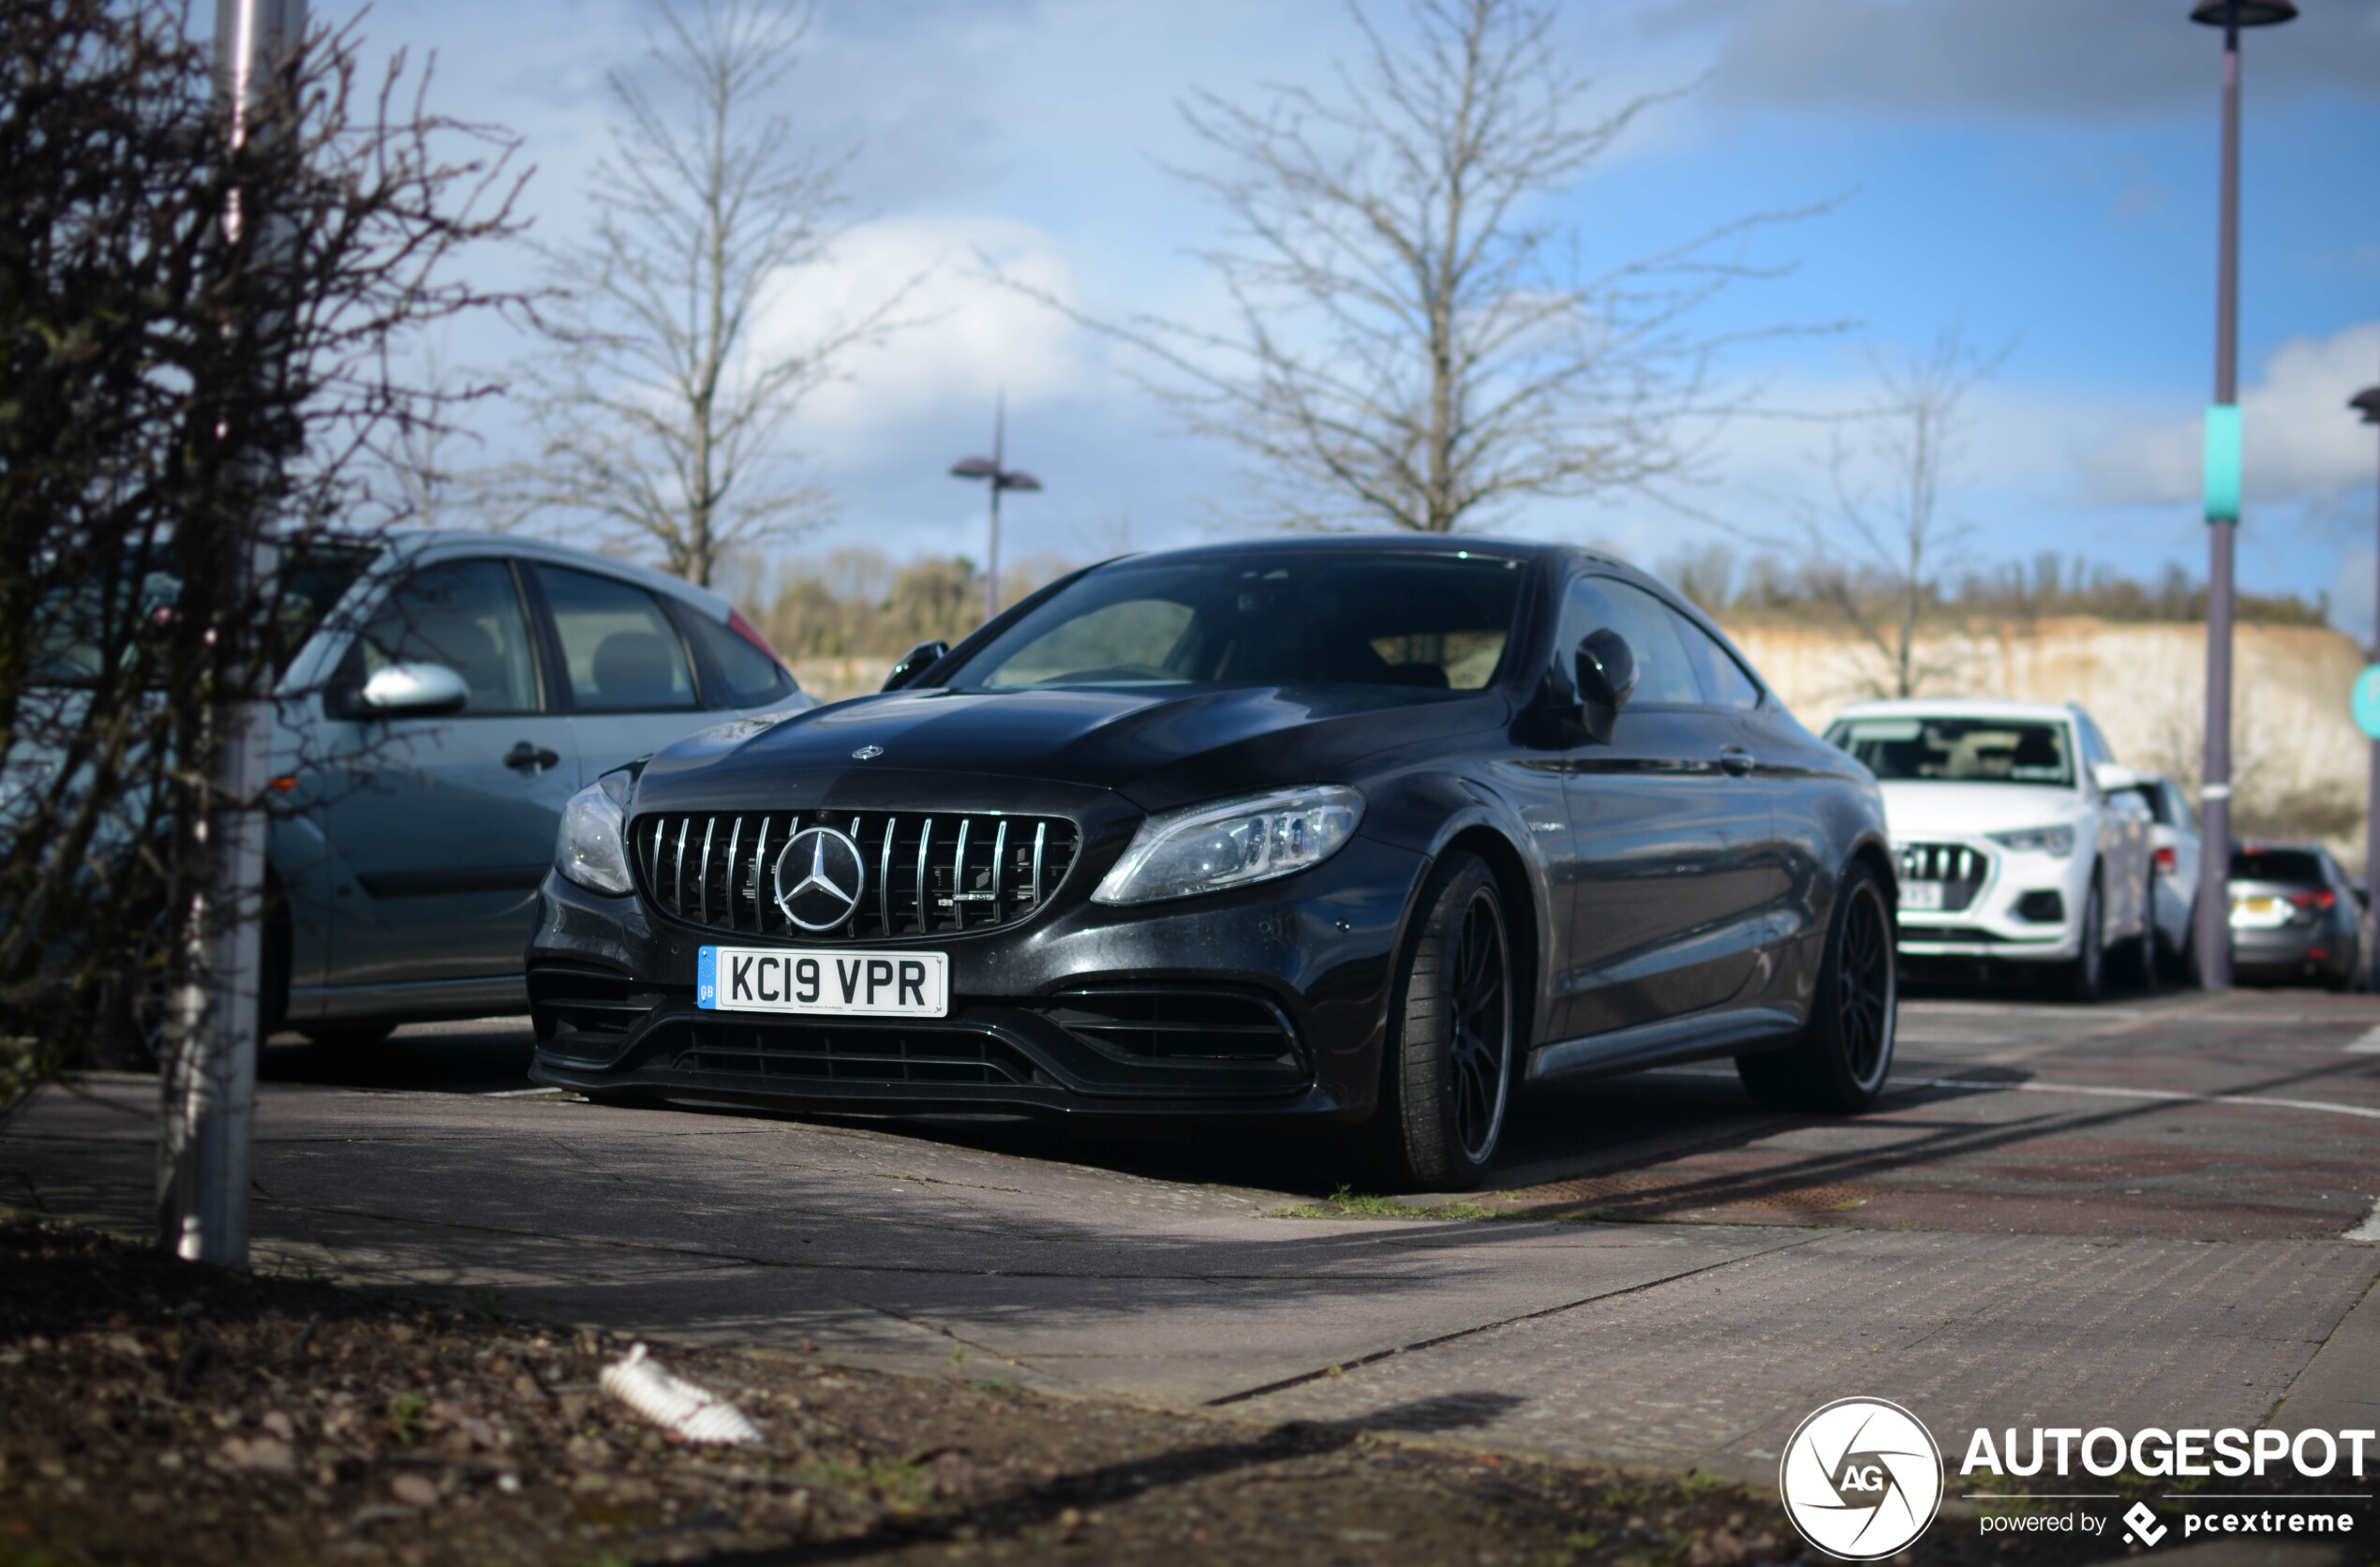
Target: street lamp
[2367,402]
[2223,502]
[1002,479]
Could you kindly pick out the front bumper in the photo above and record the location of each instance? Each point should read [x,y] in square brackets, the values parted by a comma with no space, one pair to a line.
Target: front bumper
[1268,1002]
[2024,908]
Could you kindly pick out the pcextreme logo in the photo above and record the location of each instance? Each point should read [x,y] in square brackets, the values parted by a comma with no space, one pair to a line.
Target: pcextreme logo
[1861,1478]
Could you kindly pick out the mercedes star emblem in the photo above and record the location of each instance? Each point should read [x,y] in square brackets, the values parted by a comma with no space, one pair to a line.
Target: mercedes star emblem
[868,754]
[820,877]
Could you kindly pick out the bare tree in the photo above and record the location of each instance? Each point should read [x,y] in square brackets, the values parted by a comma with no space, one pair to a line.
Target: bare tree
[1881,554]
[195,336]
[662,412]
[1416,335]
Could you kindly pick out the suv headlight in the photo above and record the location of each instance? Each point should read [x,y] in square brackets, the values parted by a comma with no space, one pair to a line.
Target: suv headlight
[1232,842]
[588,850]
[2054,841]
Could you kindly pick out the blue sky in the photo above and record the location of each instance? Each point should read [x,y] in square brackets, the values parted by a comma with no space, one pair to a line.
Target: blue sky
[2040,171]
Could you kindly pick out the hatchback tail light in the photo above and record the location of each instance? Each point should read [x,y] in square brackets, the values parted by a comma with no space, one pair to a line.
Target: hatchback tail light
[2324,899]
[751,633]
[2168,863]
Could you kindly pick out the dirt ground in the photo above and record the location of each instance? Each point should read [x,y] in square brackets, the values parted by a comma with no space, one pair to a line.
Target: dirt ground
[151,1411]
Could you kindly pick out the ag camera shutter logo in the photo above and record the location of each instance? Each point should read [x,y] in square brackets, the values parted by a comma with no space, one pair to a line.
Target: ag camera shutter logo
[1861,1478]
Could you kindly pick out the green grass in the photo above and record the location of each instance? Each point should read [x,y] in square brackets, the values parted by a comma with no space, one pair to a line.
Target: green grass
[1347,1203]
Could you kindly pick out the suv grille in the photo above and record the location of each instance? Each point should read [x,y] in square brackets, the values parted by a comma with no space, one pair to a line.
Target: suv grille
[921,874]
[1962,870]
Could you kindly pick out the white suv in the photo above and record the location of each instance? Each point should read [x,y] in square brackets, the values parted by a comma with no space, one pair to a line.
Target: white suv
[2020,840]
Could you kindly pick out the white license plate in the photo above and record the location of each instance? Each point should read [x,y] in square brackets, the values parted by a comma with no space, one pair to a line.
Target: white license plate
[1921,895]
[2260,912]
[830,984]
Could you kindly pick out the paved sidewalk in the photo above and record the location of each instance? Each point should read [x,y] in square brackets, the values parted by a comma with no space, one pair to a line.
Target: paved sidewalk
[1661,1343]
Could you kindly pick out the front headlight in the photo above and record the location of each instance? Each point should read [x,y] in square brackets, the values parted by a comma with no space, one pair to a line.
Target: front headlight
[1231,843]
[2054,841]
[588,850]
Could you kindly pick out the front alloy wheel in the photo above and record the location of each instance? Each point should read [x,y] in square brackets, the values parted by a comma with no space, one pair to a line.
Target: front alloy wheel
[1448,1070]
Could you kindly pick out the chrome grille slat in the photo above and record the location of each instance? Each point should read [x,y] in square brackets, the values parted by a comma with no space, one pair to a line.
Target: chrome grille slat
[952,875]
[1960,868]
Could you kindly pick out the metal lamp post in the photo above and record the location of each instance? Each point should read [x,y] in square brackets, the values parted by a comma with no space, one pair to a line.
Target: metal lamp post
[2223,502]
[1002,479]
[2367,402]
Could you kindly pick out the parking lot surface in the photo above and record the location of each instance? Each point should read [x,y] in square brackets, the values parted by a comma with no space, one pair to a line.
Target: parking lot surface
[2156,1212]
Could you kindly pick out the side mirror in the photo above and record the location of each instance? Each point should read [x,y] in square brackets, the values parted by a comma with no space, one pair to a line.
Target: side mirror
[412,691]
[914,662]
[2114,779]
[1606,675]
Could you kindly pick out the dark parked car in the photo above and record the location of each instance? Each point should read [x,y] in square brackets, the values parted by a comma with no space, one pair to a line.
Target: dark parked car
[1330,831]
[2294,916]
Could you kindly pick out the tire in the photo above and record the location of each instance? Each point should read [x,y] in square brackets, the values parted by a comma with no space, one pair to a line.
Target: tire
[2137,960]
[1447,1074]
[346,1037]
[2085,978]
[1844,1057]
[2181,967]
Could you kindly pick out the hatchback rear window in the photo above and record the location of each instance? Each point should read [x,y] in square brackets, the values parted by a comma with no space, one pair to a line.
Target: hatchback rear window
[2294,866]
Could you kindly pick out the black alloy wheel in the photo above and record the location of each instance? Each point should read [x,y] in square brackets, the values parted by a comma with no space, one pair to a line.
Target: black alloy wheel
[1448,1076]
[2085,978]
[1841,1062]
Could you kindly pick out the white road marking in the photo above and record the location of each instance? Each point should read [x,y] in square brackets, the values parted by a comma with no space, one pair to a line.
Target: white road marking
[2369,1230]
[2368,1045]
[1972,1086]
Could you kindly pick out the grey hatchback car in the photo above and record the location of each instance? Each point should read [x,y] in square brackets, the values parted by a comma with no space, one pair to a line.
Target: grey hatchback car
[456,690]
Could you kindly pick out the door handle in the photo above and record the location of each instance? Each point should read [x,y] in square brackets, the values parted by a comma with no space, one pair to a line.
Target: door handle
[1736,761]
[531,758]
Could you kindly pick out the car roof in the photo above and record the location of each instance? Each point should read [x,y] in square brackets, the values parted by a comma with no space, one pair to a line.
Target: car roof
[1425,544]
[1959,706]
[415,544]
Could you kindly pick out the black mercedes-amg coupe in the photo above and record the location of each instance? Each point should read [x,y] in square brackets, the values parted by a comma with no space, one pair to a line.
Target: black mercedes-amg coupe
[1345,831]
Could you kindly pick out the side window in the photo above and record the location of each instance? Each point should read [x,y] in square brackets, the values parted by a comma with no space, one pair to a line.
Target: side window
[2178,807]
[753,678]
[466,615]
[1723,680]
[1664,671]
[621,652]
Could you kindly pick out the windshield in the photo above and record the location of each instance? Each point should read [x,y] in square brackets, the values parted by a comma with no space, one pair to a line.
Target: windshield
[1961,750]
[1424,622]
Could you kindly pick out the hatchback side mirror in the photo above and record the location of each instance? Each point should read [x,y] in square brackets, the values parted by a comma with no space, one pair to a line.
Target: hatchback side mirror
[914,662]
[412,691]
[1606,675]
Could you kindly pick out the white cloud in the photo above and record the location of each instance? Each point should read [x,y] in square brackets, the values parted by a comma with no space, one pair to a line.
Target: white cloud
[2303,441]
[968,334]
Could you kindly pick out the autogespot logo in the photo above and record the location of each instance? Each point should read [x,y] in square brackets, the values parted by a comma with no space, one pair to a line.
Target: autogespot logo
[1861,1478]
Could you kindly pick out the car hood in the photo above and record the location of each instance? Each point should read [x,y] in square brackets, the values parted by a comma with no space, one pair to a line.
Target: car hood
[1918,811]
[1159,748]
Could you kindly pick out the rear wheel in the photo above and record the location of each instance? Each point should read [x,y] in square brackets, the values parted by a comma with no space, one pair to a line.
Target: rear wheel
[2137,956]
[1846,1050]
[2085,976]
[1448,1069]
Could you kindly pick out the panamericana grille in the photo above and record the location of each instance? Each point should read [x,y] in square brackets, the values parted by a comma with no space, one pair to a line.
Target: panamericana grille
[1962,870]
[923,874]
